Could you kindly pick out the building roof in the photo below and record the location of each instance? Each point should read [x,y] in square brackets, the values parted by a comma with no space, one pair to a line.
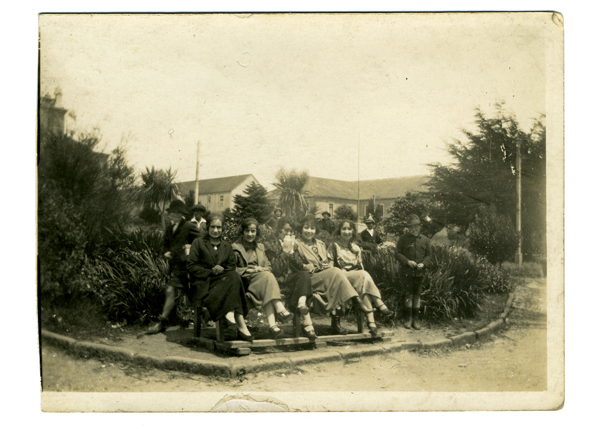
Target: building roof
[382,188]
[214,186]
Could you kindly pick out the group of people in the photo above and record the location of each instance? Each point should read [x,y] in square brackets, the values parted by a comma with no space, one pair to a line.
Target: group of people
[227,279]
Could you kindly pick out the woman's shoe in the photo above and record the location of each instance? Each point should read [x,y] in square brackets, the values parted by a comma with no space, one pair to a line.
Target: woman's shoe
[275,332]
[309,332]
[372,329]
[384,310]
[336,327]
[303,310]
[284,316]
[243,337]
[359,305]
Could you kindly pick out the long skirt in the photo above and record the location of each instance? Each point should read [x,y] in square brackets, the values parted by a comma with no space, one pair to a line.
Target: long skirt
[299,284]
[333,286]
[225,294]
[363,283]
[263,287]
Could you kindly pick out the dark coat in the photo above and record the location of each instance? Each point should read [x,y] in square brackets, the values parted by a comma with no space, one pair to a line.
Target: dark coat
[327,224]
[411,248]
[369,241]
[203,258]
[175,242]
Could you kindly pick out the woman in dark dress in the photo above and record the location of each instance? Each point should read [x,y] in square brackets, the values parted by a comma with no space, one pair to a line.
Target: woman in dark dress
[261,285]
[212,268]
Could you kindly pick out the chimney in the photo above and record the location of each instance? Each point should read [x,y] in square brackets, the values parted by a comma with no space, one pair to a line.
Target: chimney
[58,97]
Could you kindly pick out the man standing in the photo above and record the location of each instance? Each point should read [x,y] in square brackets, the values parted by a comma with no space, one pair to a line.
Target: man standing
[414,253]
[179,235]
[327,224]
[199,220]
[370,237]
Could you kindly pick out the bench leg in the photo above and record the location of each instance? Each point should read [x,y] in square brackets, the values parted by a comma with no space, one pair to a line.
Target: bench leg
[297,326]
[197,321]
[360,325]
[220,331]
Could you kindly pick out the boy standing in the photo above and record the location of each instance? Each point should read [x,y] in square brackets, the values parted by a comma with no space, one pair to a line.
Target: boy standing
[414,254]
[178,237]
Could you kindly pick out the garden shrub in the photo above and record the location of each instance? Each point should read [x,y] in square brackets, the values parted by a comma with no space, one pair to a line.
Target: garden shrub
[455,285]
[493,235]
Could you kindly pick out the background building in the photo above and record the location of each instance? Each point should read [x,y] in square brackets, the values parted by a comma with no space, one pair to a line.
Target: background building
[329,194]
[52,113]
[217,194]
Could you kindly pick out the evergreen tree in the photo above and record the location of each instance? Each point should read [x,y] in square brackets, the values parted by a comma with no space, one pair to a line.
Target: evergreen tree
[419,203]
[254,204]
[485,174]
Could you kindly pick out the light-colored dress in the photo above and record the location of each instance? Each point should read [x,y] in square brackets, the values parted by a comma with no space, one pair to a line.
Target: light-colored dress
[329,283]
[349,260]
[262,286]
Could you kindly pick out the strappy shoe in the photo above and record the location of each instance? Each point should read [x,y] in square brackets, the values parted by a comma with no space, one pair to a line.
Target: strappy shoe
[309,332]
[275,332]
[372,328]
[284,316]
[303,310]
[384,310]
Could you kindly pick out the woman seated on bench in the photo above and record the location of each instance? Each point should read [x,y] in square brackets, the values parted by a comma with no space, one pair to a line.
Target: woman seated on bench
[346,255]
[255,269]
[328,282]
[211,265]
[288,268]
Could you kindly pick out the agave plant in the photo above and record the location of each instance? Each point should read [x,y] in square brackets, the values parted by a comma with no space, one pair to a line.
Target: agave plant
[291,193]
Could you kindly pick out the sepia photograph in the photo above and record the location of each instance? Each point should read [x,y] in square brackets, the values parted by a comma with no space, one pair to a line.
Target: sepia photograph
[300,211]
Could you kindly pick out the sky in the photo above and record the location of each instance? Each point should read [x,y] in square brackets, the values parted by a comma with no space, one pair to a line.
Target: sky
[344,96]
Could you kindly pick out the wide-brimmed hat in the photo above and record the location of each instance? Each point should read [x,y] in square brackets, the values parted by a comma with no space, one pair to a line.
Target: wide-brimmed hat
[413,219]
[178,206]
[326,213]
[199,208]
[370,219]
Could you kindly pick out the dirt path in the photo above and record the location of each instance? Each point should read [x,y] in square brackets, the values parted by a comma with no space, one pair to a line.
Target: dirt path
[511,360]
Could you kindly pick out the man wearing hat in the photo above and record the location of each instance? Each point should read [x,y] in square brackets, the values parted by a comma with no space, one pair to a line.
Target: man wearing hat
[327,224]
[414,253]
[370,237]
[179,236]
[198,220]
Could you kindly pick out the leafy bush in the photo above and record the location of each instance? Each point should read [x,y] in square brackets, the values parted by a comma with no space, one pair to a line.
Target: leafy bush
[454,286]
[150,215]
[493,236]
[81,194]
[130,284]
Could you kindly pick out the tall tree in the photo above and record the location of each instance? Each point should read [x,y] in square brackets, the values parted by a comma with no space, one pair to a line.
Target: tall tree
[345,212]
[484,173]
[255,203]
[290,191]
[158,189]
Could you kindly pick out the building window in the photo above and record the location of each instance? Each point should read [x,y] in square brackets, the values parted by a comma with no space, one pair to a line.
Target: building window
[208,199]
[331,209]
[221,201]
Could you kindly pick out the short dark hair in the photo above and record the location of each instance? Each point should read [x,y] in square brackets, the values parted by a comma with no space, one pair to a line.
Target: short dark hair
[338,230]
[246,224]
[213,217]
[307,220]
[283,221]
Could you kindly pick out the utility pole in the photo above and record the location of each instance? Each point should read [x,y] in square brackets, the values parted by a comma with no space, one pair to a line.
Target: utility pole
[197,174]
[358,184]
[519,254]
